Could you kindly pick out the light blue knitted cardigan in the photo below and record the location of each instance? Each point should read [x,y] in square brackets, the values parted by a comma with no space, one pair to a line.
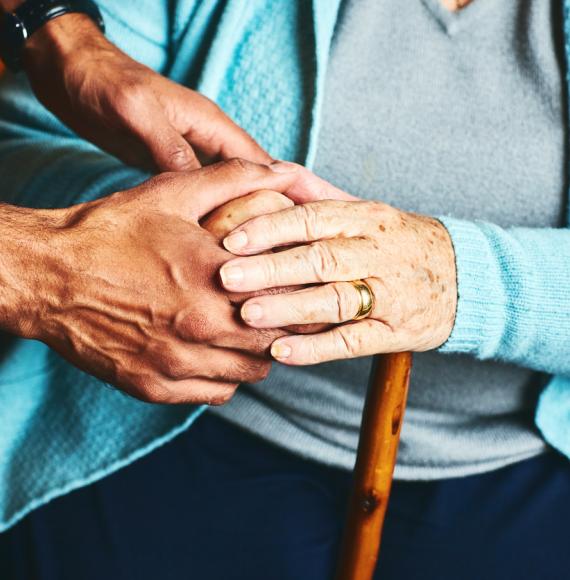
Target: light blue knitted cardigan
[61,429]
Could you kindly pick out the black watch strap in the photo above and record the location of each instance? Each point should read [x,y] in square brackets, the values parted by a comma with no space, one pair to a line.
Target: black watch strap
[18,26]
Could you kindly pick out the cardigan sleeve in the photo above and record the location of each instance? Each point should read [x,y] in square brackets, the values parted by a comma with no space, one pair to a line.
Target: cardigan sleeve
[42,163]
[514,295]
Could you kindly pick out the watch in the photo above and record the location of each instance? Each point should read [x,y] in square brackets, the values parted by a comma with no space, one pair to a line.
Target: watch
[17,26]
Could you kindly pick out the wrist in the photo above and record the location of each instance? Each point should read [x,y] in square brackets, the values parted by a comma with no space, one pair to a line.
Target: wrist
[10,5]
[478,307]
[59,39]
[437,254]
[447,280]
[31,267]
[25,27]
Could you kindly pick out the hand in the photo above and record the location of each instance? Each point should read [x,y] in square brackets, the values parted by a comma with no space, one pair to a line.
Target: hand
[126,287]
[406,259]
[124,107]
[236,212]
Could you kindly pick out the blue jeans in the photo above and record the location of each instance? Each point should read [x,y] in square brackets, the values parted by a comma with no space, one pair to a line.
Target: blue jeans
[220,504]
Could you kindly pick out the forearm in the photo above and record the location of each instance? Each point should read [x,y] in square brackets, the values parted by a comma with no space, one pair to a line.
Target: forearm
[514,295]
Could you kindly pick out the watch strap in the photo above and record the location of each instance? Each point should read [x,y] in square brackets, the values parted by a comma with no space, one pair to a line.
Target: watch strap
[19,25]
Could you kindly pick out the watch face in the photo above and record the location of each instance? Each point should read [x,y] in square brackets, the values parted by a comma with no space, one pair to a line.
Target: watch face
[14,28]
[31,15]
[13,33]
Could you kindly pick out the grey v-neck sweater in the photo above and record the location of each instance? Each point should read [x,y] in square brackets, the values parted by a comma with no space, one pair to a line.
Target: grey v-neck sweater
[439,113]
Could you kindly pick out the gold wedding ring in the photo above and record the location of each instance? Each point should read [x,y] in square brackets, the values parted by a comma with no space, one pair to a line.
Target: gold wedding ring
[366,299]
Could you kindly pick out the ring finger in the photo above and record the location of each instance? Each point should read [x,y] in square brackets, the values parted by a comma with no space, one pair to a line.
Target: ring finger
[335,302]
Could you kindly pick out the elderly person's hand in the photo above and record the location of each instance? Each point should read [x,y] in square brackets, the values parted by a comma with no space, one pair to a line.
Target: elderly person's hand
[407,260]
[124,107]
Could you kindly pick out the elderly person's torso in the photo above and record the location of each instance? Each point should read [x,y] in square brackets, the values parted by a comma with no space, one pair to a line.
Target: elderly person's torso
[439,113]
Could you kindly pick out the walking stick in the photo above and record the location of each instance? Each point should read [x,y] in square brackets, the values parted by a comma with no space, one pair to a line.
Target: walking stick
[375,461]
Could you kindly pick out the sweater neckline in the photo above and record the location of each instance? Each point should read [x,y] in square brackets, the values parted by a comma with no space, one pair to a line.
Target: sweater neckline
[455,22]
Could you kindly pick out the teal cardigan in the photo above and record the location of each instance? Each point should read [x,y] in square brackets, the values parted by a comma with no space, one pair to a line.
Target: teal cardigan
[264,62]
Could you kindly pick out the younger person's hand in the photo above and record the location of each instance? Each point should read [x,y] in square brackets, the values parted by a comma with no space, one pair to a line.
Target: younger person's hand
[124,107]
[126,287]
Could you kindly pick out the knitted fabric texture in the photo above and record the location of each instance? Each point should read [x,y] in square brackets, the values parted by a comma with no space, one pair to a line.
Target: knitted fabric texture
[61,429]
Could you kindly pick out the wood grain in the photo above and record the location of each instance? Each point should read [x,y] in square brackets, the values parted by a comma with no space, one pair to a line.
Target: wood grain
[377,449]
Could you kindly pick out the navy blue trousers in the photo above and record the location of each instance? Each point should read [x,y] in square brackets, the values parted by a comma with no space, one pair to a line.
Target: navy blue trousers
[219,504]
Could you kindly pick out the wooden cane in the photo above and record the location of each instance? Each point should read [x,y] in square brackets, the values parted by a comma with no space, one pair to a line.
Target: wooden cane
[375,461]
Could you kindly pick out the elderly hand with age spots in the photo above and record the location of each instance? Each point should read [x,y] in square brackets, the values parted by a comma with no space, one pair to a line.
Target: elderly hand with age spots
[406,259]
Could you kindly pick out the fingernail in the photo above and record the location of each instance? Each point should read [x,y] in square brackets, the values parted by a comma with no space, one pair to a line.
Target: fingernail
[280,350]
[283,167]
[231,275]
[235,241]
[251,312]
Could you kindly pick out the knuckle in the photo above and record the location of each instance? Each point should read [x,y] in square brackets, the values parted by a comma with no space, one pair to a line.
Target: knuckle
[173,367]
[199,328]
[252,371]
[208,107]
[313,354]
[208,133]
[222,395]
[262,372]
[164,179]
[350,344]
[153,391]
[257,342]
[239,165]
[344,296]
[382,212]
[324,262]
[155,188]
[373,207]
[309,216]
[262,229]
[180,155]
[270,271]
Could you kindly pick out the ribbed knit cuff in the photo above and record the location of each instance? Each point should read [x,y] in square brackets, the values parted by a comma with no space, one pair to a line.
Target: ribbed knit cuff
[480,316]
